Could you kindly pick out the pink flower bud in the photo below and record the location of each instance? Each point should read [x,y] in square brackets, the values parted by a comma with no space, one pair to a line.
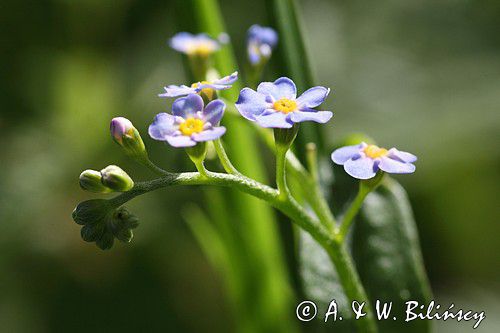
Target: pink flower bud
[121,127]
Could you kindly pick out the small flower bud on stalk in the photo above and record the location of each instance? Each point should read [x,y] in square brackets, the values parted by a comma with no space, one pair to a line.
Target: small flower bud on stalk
[126,135]
[116,179]
[91,211]
[90,180]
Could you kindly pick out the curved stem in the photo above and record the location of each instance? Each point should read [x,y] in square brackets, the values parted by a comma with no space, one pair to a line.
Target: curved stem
[337,252]
[200,167]
[153,167]
[224,159]
[352,211]
[293,166]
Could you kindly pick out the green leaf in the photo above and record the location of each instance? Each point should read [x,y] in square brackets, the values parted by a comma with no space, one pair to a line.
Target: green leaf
[386,251]
[292,51]
[261,272]
[321,285]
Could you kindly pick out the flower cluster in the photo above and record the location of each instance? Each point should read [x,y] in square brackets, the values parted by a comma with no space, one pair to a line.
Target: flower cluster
[102,223]
[195,118]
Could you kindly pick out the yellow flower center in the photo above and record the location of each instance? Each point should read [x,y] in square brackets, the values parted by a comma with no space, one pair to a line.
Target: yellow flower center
[201,50]
[374,151]
[208,92]
[197,84]
[285,105]
[190,126]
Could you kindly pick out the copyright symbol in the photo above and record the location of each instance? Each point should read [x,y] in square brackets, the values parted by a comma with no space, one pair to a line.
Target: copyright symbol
[306,311]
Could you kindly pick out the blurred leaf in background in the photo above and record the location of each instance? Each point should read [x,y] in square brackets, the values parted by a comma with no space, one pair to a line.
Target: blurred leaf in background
[422,76]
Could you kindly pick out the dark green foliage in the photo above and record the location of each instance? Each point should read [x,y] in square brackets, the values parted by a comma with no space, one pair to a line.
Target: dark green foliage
[387,254]
[102,223]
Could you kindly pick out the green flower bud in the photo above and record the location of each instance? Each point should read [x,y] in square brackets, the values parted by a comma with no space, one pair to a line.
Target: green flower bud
[91,233]
[116,179]
[102,223]
[91,211]
[127,136]
[90,180]
[106,241]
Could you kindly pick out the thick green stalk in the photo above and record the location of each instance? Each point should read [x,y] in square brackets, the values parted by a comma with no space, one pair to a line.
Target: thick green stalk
[351,284]
[267,293]
[305,180]
[293,51]
[337,252]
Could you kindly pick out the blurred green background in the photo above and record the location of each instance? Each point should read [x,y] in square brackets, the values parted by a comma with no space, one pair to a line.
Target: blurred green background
[422,76]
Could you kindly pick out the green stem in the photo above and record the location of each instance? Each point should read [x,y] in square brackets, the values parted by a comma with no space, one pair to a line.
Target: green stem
[312,161]
[339,256]
[296,170]
[201,168]
[352,211]
[283,190]
[153,167]
[224,159]
[352,285]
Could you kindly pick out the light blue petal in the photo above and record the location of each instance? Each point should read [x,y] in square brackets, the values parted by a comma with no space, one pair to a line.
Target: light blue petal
[214,111]
[180,141]
[187,106]
[274,120]
[361,168]
[251,104]
[181,41]
[281,88]
[209,134]
[177,91]
[313,97]
[390,165]
[184,42]
[230,79]
[402,155]
[342,155]
[317,116]
[212,86]
[162,126]
[264,35]
[253,51]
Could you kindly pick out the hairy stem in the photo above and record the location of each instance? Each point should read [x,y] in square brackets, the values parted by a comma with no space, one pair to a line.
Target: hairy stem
[296,170]
[351,284]
[153,167]
[335,249]
[224,159]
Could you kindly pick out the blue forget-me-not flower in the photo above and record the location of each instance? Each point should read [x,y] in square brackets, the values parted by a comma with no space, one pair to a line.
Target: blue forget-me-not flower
[363,161]
[275,104]
[190,122]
